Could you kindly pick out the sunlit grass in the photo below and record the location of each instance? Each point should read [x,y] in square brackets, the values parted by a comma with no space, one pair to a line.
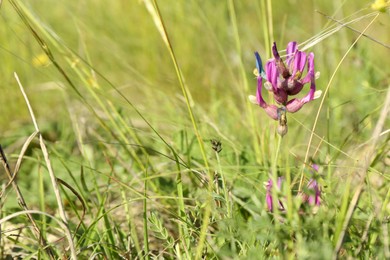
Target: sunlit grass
[133,115]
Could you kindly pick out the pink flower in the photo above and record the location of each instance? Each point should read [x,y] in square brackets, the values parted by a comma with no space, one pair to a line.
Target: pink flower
[268,196]
[285,79]
[312,199]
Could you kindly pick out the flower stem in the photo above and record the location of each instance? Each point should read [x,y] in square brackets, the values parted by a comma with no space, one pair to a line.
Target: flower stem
[275,201]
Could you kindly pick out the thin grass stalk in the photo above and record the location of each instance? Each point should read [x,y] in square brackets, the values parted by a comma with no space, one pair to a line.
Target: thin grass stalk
[156,15]
[186,93]
[130,223]
[220,47]
[45,153]
[290,204]
[261,9]
[270,28]
[145,218]
[274,188]
[224,187]
[228,204]
[42,201]
[324,95]
[249,106]
[342,211]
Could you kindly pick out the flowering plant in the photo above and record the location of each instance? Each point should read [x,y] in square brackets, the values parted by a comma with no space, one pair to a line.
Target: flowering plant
[312,197]
[285,79]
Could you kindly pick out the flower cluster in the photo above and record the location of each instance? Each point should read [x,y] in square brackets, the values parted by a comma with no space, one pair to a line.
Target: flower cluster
[312,199]
[284,79]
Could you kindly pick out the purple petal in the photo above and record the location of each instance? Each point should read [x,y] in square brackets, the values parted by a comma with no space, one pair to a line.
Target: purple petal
[272,74]
[279,63]
[310,69]
[259,97]
[296,104]
[291,49]
[271,110]
[314,199]
[268,199]
[280,96]
[268,196]
[294,87]
[299,64]
[275,52]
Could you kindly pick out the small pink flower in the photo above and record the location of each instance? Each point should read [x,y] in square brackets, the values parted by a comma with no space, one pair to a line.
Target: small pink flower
[312,199]
[268,195]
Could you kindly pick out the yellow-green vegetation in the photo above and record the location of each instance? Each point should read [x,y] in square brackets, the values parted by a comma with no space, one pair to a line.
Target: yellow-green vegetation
[127,131]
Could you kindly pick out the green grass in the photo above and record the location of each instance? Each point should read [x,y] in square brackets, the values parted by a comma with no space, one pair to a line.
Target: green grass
[131,100]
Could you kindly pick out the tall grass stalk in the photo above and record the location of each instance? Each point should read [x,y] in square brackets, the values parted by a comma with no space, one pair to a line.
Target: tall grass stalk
[50,170]
[275,190]
[145,219]
[244,81]
[157,18]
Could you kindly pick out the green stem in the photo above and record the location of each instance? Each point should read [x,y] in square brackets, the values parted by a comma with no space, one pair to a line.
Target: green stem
[145,216]
[275,201]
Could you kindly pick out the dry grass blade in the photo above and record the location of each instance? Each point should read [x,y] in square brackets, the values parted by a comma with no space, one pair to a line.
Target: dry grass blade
[354,30]
[19,161]
[80,199]
[29,213]
[51,172]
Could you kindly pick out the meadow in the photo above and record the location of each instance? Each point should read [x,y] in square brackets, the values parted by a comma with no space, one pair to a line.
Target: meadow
[127,131]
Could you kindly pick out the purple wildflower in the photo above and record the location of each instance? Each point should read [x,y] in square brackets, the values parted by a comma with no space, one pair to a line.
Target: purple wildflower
[284,79]
[268,196]
[312,199]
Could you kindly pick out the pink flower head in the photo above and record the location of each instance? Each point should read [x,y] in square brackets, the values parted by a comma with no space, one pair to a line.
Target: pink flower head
[285,79]
[311,197]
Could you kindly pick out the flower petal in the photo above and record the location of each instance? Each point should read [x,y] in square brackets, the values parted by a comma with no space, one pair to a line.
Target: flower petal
[299,64]
[275,52]
[272,73]
[290,50]
[295,104]
[310,69]
[271,110]
[294,87]
[268,199]
[316,198]
[259,65]
[268,196]
[279,63]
